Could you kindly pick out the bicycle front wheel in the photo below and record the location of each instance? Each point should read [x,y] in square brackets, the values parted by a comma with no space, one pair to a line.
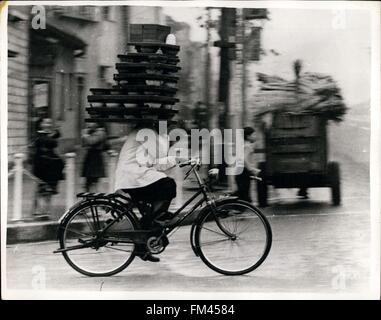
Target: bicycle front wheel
[234,239]
[92,236]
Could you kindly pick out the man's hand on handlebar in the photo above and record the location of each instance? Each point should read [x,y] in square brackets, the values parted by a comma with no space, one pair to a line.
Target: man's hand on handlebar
[180,159]
[190,162]
[255,178]
[254,174]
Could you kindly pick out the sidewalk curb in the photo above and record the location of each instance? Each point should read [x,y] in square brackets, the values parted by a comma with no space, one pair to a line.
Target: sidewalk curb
[31,232]
[21,232]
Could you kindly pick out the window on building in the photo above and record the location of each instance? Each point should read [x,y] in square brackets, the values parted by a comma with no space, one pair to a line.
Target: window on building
[106,14]
[88,13]
[40,105]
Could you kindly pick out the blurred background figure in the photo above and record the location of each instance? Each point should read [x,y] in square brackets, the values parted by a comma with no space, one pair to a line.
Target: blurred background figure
[200,115]
[94,139]
[47,166]
[243,179]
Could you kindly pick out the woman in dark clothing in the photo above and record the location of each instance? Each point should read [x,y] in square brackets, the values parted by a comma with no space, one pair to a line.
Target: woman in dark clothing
[94,139]
[47,165]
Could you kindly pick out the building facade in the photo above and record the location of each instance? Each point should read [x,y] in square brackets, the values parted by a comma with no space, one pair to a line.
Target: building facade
[18,75]
[52,68]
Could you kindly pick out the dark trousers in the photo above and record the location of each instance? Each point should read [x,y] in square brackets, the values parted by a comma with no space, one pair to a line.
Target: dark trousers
[160,192]
[243,185]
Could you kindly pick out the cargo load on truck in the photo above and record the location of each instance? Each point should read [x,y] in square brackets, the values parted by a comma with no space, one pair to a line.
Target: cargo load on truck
[292,118]
[313,93]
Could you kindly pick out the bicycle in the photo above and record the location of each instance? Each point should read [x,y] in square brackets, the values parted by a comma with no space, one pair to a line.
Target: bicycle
[100,235]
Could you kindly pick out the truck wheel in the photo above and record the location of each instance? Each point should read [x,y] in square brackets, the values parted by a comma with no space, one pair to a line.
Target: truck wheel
[262,186]
[334,182]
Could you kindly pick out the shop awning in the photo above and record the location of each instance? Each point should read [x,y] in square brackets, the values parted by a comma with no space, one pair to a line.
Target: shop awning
[52,33]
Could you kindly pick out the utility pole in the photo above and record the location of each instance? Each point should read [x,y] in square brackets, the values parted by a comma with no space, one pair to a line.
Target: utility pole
[227,27]
[226,45]
[210,113]
[244,119]
[236,79]
[236,84]
[251,50]
[233,74]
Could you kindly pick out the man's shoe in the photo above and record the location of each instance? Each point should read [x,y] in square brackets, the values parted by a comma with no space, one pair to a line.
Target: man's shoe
[166,216]
[149,257]
[303,193]
[142,253]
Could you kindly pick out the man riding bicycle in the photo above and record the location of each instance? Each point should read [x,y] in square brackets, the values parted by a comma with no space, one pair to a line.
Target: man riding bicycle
[140,172]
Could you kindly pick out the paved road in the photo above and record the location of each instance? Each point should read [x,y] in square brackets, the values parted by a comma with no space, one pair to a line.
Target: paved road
[311,252]
[316,248]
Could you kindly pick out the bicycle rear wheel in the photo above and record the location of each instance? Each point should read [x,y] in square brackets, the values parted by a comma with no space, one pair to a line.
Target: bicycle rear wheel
[91,251]
[235,239]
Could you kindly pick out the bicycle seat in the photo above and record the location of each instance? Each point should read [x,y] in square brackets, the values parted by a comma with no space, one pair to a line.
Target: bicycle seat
[91,195]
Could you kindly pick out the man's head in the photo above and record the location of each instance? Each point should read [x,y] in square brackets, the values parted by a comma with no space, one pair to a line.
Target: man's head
[92,125]
[249,134]
[46,124]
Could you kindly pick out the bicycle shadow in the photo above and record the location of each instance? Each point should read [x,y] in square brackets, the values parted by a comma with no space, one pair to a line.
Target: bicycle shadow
[169,280]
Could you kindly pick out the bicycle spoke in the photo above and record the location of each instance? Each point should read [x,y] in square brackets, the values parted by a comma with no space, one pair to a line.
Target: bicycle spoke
[88,222]
[79,233]
[97,254]
[247,247]
[226,226]
[232,226]
[236,226]
[215,241]
[219,233]
[244,230]
[113,248]
[96,217]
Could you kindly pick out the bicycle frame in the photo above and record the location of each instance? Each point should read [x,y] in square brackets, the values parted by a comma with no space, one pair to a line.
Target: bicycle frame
[168,229]
[134,236]
[203,190]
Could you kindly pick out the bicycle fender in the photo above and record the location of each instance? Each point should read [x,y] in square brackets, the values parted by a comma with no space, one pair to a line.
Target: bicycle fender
[117,202]
[85,202]
[62,219]
[192,239]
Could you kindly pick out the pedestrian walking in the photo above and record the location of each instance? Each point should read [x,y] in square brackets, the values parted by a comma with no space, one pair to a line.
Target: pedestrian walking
[243,179]
[47,166]
[94,139]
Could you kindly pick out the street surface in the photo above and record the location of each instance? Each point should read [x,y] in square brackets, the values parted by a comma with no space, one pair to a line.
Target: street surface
[317,248]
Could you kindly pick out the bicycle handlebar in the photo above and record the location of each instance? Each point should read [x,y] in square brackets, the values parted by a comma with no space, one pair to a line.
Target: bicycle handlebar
[191,162]
[255,178]
[197,161]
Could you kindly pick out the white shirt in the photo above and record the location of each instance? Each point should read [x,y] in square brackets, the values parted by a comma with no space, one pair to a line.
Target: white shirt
[249,155]
[142,163]
[247,159]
